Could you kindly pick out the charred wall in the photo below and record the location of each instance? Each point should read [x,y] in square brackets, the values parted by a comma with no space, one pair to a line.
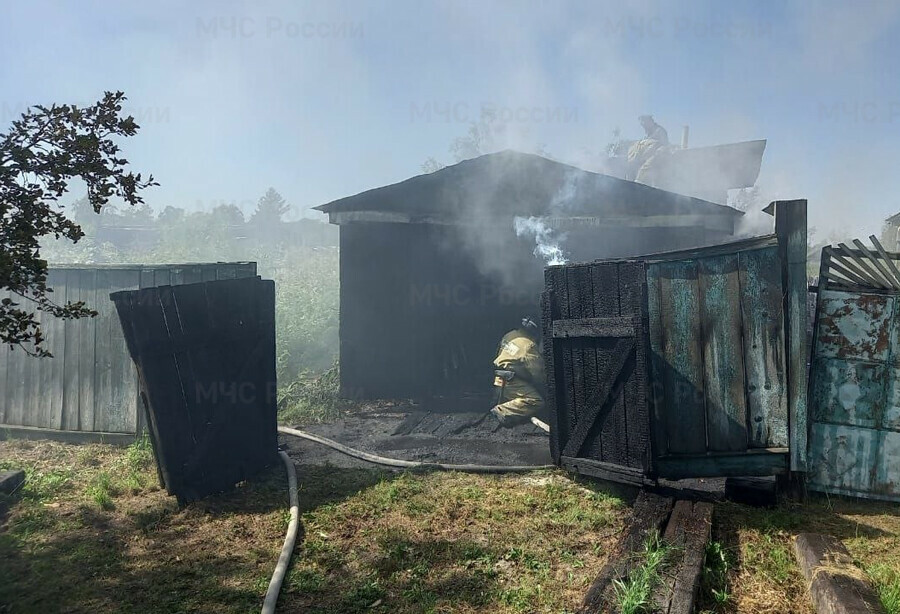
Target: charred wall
[423,306]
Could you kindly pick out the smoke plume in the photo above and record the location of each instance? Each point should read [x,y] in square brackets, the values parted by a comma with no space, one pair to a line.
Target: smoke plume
[546,245]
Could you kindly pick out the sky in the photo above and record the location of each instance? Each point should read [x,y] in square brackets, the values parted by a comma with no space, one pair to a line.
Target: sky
[322,100]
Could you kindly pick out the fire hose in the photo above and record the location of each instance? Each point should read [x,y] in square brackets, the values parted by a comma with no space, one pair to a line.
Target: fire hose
[290,539]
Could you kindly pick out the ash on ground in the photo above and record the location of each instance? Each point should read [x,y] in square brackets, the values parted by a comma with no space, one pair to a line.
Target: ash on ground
[412,432]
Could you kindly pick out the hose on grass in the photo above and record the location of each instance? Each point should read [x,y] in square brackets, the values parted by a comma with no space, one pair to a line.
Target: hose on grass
[289,540]
[405,464]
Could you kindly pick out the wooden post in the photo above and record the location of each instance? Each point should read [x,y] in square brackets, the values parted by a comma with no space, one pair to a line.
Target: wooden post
[790,226]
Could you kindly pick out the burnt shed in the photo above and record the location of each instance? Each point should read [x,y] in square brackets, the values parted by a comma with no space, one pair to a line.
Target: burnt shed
[432,270]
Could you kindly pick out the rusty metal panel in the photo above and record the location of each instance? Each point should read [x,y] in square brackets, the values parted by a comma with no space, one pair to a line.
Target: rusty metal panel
[890,418]
[842,458]
[854,326]
[855,444]
[849,392]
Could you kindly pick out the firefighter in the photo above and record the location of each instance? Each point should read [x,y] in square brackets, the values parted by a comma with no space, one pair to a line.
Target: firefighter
[519,375]
[645,155]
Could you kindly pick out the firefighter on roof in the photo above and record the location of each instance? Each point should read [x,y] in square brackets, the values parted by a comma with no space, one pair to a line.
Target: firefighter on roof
[519,376]
[646,155]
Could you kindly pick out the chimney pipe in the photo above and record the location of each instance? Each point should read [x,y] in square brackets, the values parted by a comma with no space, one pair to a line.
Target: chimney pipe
[684,137]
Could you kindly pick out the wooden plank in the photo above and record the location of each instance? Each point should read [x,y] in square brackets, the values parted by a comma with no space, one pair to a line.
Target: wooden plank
[656,390]
[764,348]
[565,353]
[836,585]
[611,472]
[577,348]
[582,283]
[11,431]
[594,327]
[636,410]
[601,397]
[103,392]
[611,445]
[758,462]
[683,362]
[53,371]
[851,276]
[790,225]
[863,264]
[72,354]
[882,270]
[688,532]
[87,357]
[550,369]
[33,412]
[124,374]
[16,382]
[895,272]
[723,363]
[648,515]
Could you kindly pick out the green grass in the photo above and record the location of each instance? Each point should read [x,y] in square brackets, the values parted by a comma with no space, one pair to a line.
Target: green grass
[372,541]
[886,580]
[718,564]
[311,399]
[634,594]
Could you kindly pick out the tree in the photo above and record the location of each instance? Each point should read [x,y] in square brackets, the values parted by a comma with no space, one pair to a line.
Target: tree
[481,138]
[270,209]
[42,152]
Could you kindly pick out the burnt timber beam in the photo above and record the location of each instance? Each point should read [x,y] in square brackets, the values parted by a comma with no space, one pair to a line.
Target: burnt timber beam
[836,585]
[687,533]
[648,515]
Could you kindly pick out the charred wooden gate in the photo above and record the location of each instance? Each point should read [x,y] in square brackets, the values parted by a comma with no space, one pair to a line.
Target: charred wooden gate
[687,364]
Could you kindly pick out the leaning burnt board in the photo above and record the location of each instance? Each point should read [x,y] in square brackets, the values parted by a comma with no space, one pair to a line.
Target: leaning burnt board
[205,355]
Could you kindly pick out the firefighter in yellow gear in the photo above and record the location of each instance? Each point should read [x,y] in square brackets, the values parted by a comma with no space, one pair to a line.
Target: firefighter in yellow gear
[519,376]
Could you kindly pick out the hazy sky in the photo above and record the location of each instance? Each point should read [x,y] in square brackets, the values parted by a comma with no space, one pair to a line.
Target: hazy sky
[326,99]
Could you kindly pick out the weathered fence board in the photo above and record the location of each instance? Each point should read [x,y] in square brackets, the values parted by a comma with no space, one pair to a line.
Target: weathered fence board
[679,302]
[726,412]
[764,347]
[90,384]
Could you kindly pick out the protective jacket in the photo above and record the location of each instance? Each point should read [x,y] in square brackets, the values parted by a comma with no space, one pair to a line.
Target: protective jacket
[521,395]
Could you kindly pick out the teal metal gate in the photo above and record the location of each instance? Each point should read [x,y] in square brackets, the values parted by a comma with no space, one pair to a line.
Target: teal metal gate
[855,376]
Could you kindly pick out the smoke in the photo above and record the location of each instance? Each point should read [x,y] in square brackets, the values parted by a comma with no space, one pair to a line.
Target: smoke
[547,246]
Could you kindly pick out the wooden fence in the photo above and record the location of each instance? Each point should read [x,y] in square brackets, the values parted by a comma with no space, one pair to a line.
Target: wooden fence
[90,385]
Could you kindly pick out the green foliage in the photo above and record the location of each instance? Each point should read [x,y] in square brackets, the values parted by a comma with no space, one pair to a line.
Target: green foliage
[311,400]
[307,289]
[770,557]
[634,594]
[887,582]
[714,582]
[42,152]
[100,490]
[270,209]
